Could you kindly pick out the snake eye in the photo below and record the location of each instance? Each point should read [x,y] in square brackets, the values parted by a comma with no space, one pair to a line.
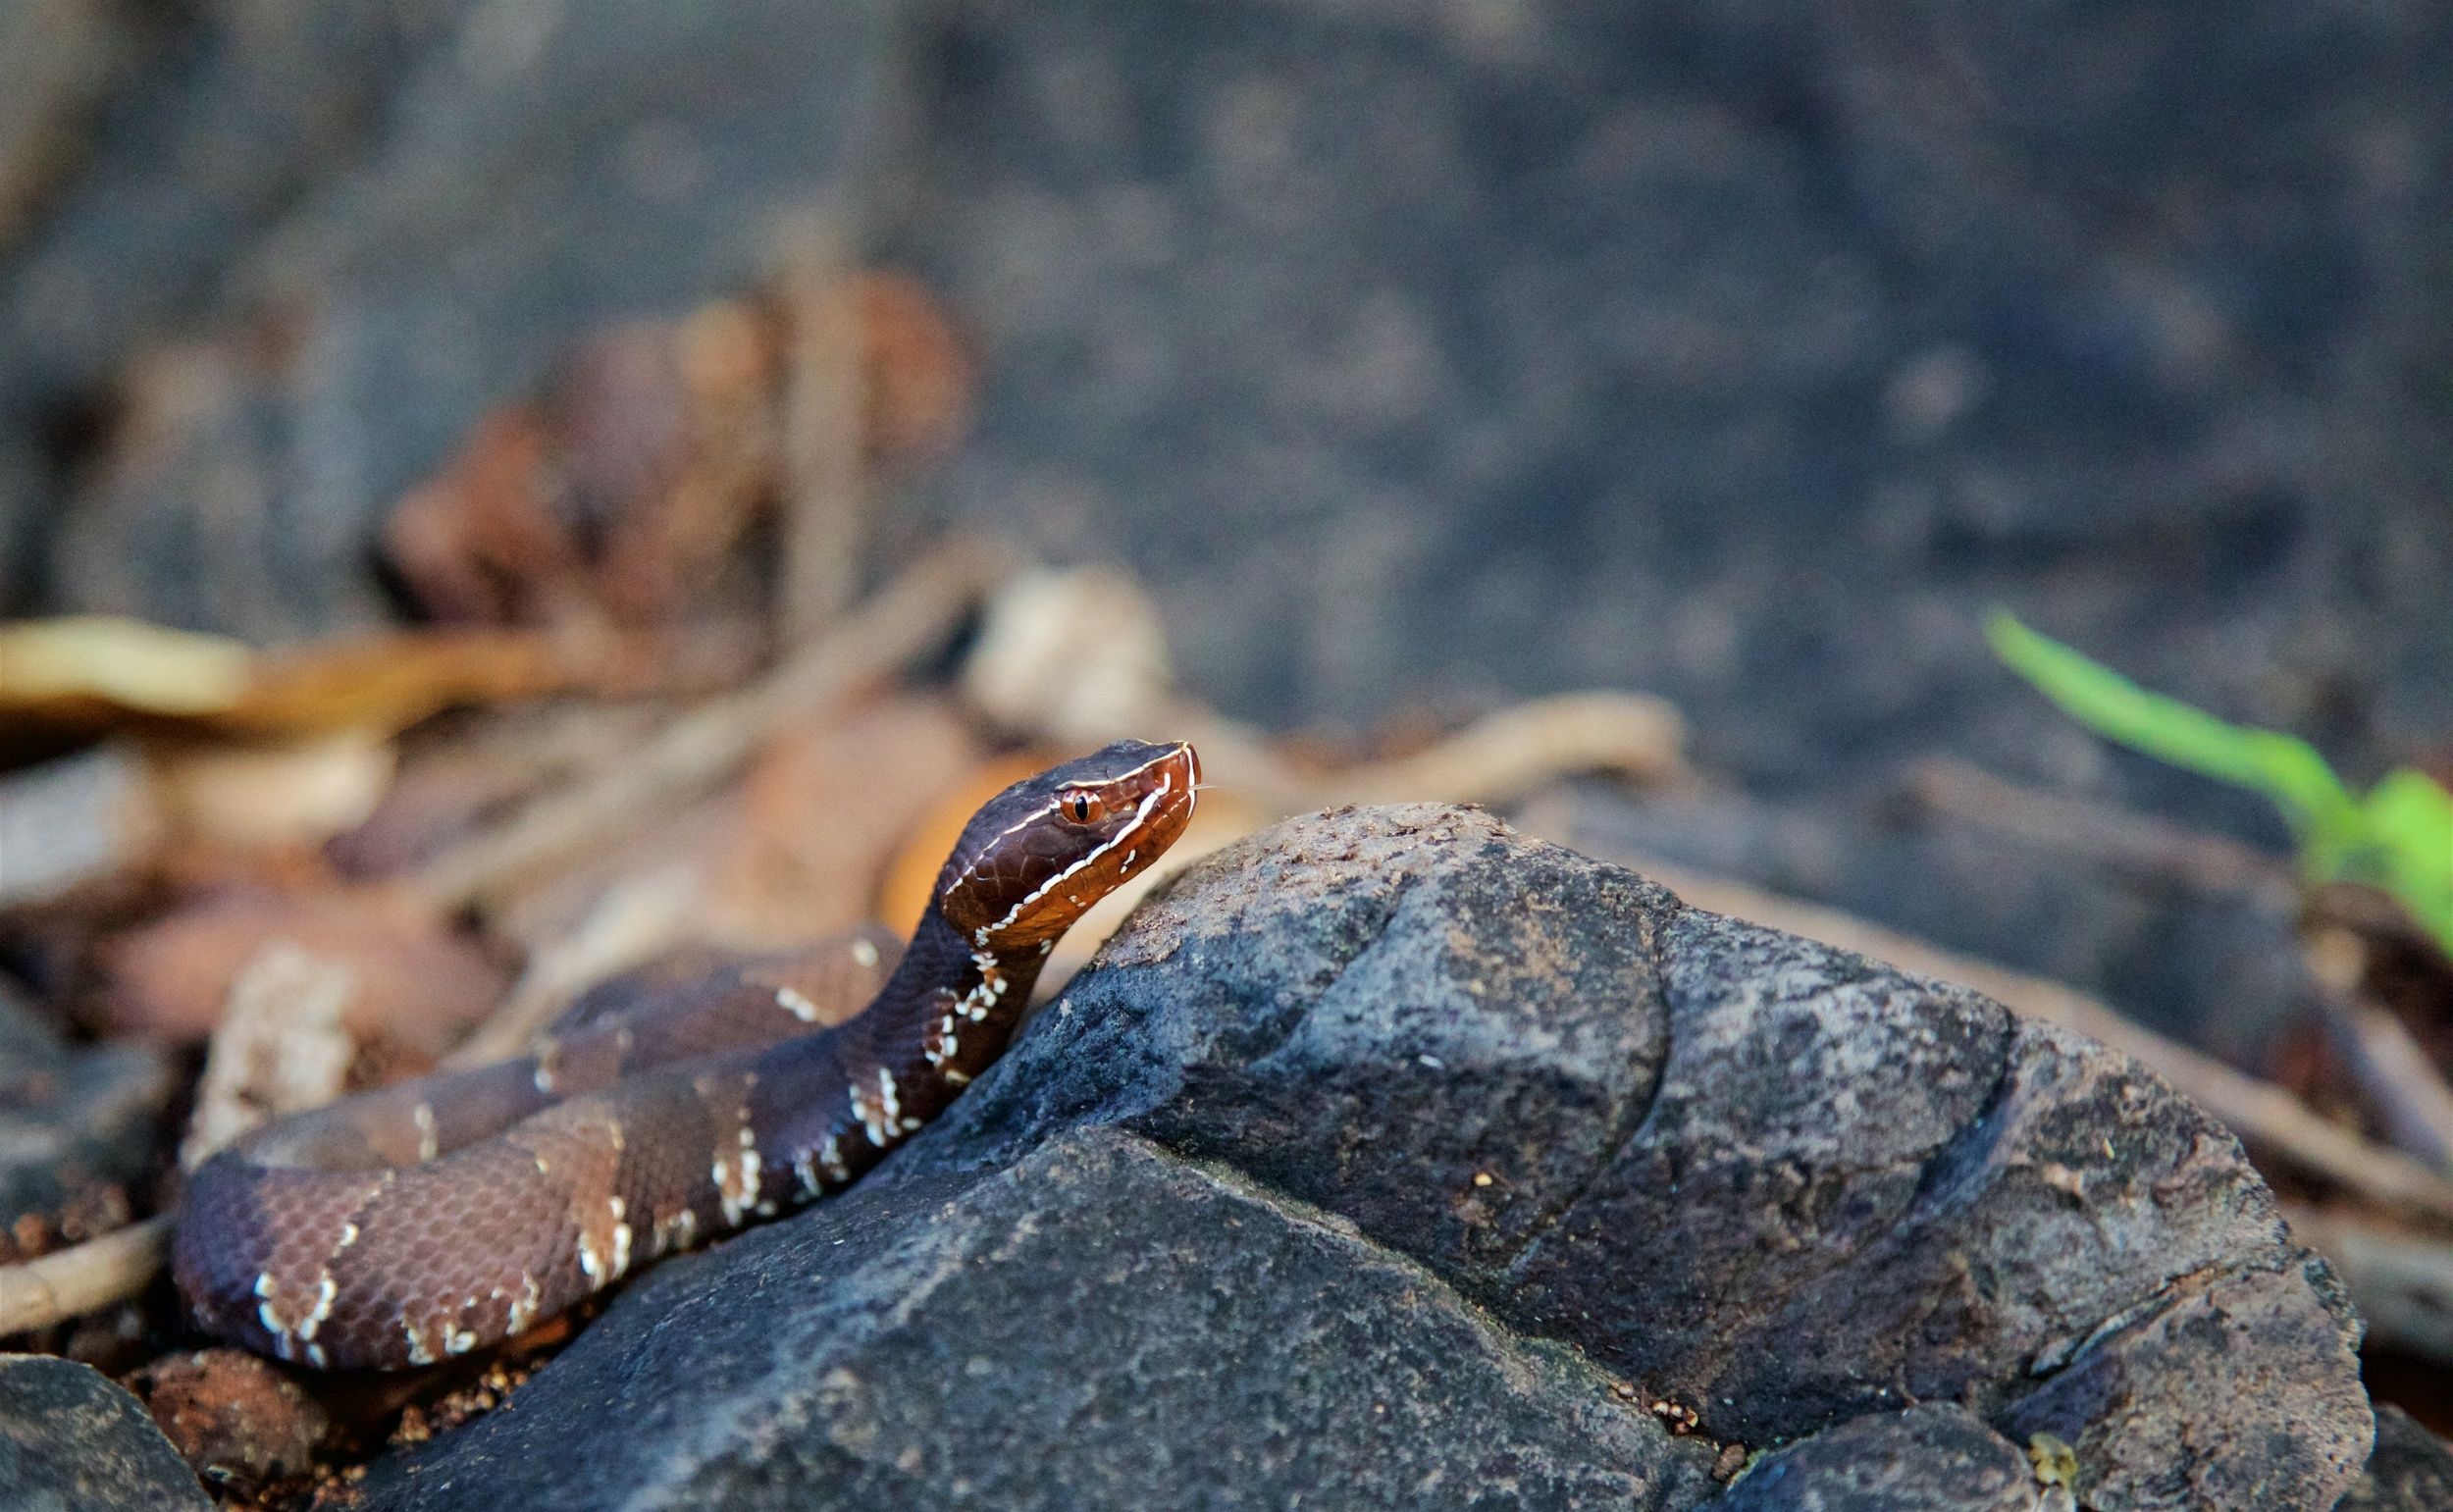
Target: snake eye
[1077,803]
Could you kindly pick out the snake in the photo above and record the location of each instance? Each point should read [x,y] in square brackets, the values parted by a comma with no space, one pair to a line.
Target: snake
[401,1226]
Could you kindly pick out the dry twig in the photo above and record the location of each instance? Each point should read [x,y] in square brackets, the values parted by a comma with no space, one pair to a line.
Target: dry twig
[1502,759]
[282,1046]
[2099,833]
[92,1275]
[635,919]
[824,405]
[696,751]
[2396,1072]
[1078,656]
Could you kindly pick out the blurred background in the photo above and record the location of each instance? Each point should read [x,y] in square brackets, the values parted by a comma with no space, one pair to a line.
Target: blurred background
[1405,362]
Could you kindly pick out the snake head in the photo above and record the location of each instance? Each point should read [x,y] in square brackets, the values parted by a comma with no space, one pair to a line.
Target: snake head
[1039,853]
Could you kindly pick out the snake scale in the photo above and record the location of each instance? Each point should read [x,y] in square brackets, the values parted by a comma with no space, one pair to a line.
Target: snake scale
[425,1220]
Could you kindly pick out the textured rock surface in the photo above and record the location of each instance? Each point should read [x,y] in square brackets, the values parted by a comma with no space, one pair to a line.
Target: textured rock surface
[1926,1459]
[1391,1117]
[71,1441]
[74,1120]
[1099,1325]
[2219,967]
[2412,1469]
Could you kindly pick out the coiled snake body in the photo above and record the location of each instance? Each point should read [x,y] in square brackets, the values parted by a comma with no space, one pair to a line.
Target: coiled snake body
[425,1220]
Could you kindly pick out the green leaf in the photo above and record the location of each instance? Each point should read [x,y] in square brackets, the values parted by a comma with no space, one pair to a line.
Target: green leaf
[2410,823]
[2399,837]
[2313,800]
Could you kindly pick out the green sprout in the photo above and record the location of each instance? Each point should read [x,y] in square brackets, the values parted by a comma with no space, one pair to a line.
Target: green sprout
[2399,837]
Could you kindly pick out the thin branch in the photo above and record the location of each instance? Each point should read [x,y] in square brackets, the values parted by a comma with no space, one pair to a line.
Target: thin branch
[1500,758]
[92,1275]
[2103,834]
[637,918]
[2400,1080]
[824,500]
[697,750]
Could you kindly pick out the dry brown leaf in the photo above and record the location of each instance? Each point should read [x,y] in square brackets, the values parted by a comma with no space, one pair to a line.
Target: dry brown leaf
[619,494]
[823,807]
[390,681]
[88,673]
[296,793]
[420,987]
[615,495]
[919,378]
[477,543]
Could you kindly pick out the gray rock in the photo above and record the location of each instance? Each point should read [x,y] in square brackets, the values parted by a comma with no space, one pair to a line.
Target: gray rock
[73,1120]
[71,1441]
[1927,1459]
[2211,1394]
[1760,1182]
[1100,1325]
[2412,1469]
[2219,968]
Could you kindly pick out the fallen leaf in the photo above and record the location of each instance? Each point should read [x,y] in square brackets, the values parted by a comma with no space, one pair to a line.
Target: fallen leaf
[823,807]
[296,793]
[84,668]
[420,986]
[389,681]
[918,375]
[614,495]
[91,673]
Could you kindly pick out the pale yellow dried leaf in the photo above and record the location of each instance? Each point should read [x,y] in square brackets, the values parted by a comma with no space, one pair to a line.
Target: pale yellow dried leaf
[123,661]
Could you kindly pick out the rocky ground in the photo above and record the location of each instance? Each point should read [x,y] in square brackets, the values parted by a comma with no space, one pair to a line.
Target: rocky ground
[1407,355]
[1415,359]
[1301,1191]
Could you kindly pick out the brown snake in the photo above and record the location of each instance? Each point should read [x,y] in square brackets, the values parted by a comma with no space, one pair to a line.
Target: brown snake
[429,1219]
